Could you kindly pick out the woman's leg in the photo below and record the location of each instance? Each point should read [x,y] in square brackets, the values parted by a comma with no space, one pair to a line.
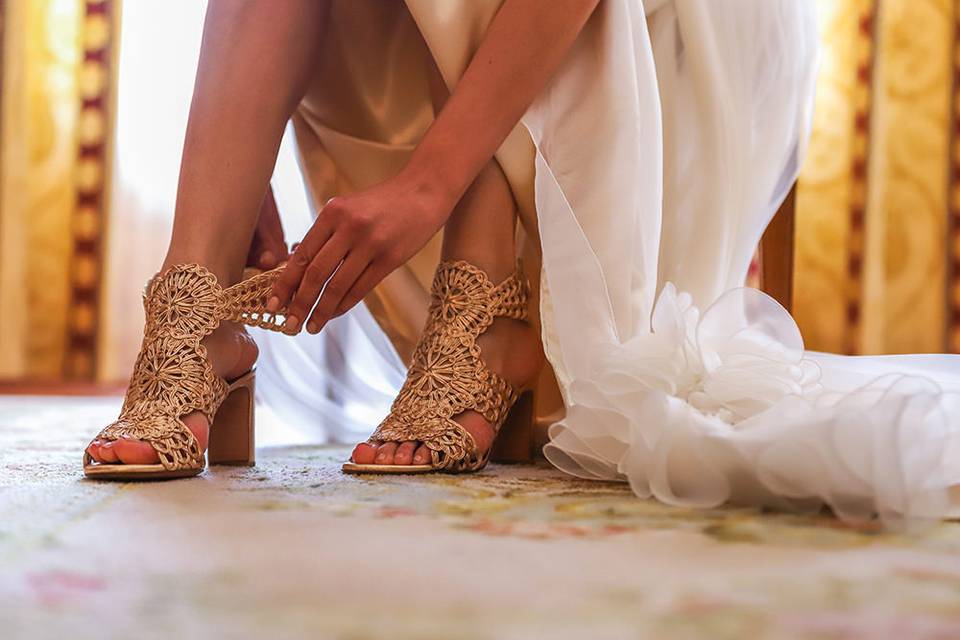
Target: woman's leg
[481,231]
[255,62]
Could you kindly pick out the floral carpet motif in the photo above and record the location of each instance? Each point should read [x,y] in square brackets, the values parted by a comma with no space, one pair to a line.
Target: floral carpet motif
[292,548]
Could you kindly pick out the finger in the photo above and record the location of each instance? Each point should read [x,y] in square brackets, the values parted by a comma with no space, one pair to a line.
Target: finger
[371,277]
[338,286]
[268,260]
[267,218]
[292,275]
[256,249]
[270,230]
[317,274]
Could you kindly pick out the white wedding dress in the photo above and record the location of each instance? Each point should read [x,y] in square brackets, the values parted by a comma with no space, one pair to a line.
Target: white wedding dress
[664,145]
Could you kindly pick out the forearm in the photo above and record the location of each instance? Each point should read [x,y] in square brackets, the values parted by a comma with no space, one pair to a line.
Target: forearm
[360,238]
[522,49]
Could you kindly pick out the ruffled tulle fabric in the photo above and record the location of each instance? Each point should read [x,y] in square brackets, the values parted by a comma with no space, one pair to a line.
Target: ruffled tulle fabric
[725,405]
[677,379]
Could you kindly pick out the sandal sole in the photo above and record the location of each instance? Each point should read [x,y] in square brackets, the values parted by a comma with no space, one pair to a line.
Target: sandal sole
[132,472]
[387,469]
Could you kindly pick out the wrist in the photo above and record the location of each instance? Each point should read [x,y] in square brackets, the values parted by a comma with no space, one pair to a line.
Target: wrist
[434,185]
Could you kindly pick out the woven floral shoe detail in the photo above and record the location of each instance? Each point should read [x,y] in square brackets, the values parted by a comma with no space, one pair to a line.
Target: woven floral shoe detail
[173,376]
[448,375]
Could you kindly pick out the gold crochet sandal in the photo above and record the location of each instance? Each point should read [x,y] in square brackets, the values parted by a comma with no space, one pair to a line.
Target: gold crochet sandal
[448,376]
[173,376]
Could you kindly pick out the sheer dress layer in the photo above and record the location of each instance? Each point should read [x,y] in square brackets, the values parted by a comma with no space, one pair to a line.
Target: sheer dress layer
[645,174]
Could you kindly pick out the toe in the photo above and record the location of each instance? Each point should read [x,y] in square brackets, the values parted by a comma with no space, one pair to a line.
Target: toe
[385,453]
[421,455]
[107,454]
[364,453]
[128,451]
[404,454]
[135,452]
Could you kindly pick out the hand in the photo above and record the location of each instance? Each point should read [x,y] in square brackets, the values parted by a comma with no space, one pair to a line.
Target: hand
[355,242]
[268,248]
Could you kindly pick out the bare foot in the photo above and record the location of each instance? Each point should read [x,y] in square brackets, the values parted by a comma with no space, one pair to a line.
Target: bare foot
[509,347]
[232,352]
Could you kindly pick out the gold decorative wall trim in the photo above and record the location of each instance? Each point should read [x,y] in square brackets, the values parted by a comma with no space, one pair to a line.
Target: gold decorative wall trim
[906,266]
[831,191]
[3,27]
[96,94]
[952,338]
[864,52]
[40,49]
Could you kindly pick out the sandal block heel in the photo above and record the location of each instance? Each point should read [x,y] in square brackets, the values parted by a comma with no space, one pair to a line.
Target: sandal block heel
[232,432]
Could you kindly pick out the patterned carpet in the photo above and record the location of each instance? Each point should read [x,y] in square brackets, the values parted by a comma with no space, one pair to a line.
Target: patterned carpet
[293,549]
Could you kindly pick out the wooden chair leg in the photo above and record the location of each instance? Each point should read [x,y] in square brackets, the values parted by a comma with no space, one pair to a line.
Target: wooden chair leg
[777,252]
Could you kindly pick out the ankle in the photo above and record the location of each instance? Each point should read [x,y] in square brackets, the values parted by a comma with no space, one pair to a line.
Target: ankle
[497,268]
[231,350]
[512,349]
[219,259]
[494,252]
[222,272]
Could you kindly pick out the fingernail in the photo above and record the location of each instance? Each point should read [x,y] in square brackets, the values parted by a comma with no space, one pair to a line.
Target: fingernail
[312,327]
[273,304]
[418,459]
[267,259]
[291,323]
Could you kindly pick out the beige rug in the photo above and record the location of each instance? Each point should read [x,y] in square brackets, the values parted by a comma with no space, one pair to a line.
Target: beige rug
[293,549]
